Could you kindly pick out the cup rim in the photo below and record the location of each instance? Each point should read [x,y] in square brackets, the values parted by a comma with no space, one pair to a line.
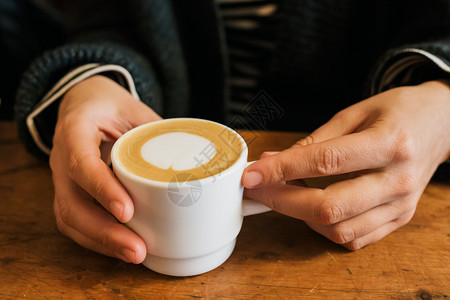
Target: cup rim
[116,164]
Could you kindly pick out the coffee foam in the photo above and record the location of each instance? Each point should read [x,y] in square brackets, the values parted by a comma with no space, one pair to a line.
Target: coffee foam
[161,150]
[177,151]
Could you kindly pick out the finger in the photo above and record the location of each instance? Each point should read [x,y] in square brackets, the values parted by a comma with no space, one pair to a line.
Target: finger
[115,247]
[344,122]
[298,182]
[339,201]
[291,200]
[86,168]
[142,114]
[378,234]
[119,242]
[362,225]
[91,227]
[135,113]
[354,152]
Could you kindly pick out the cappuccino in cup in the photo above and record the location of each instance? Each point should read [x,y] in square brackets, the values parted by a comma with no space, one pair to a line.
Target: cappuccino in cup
[184,177]
[179,146]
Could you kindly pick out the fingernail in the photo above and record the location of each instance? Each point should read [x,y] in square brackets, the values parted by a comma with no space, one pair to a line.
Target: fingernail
[116,208]
[271,152]
[252,179]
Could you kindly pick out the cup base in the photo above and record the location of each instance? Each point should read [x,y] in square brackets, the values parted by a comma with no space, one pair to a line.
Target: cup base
[189,266]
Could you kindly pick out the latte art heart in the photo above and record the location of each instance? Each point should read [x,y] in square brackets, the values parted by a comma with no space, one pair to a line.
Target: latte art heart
[176,150]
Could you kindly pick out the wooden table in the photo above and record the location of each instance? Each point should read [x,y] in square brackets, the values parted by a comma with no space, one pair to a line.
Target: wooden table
[275,257]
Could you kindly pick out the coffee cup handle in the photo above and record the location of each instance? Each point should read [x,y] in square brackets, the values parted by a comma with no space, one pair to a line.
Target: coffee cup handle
[253,207]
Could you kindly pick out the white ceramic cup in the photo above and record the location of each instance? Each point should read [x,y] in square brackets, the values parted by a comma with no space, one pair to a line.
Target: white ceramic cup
[185,240]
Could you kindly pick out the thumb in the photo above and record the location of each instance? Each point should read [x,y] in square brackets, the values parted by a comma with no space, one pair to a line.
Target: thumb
[349,153]
[301,159]
[269,169]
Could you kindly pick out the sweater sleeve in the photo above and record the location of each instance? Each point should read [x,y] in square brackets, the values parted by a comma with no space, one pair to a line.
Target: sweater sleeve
[45,72]
[412,64]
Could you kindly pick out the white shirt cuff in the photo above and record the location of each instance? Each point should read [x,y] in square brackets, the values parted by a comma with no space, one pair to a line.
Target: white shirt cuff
[77,75]
[404,67]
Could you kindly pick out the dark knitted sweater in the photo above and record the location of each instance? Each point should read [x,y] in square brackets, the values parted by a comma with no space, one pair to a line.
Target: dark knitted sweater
[327,55]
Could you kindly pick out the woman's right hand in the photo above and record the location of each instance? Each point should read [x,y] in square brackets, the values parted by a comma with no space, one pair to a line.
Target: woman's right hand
[92,115]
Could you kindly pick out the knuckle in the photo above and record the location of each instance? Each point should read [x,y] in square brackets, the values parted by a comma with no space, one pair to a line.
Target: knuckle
[405,209]
[61,225]
[342,116]
[328,161]
[308,140]
[402,221]
[409,207]
[405,218]
[100,191]
[328,212]
[404,184]
[404,146]
[105,238]
[277,172]
[342,234]
[52,160]
[354,245]
[74,164]
[62,217]
[401,209]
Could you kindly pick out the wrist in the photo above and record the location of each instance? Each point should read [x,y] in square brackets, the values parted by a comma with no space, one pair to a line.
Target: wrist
[446,82]
[442,86]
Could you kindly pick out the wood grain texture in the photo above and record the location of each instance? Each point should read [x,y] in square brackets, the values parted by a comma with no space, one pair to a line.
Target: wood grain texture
[275,256]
